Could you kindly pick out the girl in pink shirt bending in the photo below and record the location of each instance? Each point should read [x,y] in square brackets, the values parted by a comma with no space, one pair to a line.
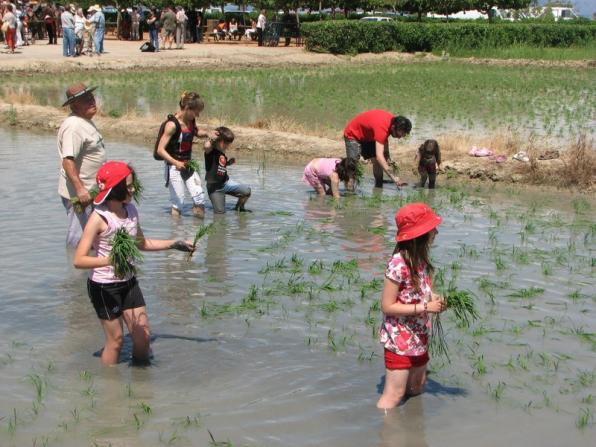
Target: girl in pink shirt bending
[406,302]
[324,174]
[117,298]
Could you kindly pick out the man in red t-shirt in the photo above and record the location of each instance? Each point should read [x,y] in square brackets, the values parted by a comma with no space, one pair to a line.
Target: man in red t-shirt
[367,135]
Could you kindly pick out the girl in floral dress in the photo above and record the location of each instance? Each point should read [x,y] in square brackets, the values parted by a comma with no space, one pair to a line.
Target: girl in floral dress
[406,302]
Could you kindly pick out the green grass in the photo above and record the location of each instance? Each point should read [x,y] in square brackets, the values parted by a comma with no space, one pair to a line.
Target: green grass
[527,52]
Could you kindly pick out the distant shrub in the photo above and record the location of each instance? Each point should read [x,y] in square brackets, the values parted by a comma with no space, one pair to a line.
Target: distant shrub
[351,37]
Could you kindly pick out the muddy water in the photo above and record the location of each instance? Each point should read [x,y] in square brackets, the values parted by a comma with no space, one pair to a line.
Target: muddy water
[295,363]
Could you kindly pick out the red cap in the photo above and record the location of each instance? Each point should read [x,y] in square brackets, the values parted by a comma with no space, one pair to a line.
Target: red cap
[109,175]
[413,220]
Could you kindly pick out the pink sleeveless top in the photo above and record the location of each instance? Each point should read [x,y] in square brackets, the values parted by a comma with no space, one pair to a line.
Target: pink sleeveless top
[103,241]
[325,166]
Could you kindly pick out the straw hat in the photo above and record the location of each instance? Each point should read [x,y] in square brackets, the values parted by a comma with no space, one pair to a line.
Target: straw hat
[76,91]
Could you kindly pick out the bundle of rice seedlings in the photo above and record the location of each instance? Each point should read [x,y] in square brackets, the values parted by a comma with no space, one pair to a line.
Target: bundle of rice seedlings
[192,165]
[202,231]
[124,254]
[464,309]
[359,173]
[76,203]
[138,189]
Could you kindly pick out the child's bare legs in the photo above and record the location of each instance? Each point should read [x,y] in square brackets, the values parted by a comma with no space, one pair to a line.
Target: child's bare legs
[416,381]
[423,176]
[114,338]
[240,204]
[138,327]
[400,383]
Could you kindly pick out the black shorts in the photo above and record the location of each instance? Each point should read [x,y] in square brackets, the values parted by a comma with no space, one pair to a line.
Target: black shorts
[365,149]
[110,299]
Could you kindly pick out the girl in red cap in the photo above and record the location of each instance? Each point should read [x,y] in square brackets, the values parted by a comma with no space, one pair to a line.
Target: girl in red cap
[117,298]
[406,302]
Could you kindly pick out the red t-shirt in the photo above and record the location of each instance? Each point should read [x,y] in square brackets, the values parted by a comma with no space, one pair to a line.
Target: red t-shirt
[372,125]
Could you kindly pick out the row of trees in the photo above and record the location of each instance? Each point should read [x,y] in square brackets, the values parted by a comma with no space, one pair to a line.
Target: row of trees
[418,7]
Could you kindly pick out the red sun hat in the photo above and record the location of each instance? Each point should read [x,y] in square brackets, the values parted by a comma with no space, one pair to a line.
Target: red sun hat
[415,219]
[109,175]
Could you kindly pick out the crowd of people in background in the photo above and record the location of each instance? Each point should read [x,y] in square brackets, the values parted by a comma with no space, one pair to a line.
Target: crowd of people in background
[83,31]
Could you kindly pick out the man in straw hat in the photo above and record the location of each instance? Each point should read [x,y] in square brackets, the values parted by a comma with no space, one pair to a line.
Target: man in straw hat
[82,152]
[99,21]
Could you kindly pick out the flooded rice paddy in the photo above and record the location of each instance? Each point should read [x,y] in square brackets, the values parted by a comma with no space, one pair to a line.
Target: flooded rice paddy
[439,97]
[268,336]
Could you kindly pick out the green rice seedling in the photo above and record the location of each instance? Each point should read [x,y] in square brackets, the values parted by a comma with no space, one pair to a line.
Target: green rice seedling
[585,418]
[50,366]
[76,203]
[90,391]
[124,254]
[39,385]
[138,421]
[315,267]
[146,408]
[297,263]
[188,421]
[280,213]
[524,293]
[496,392]
[330,307]
[500,264]
[12,422]
[374,285]
[129,391]
[328,285]
[201,232]
[11,116]
[479,366]
[86,376]
[589,399]
[76,415]
[547,270]
[63,425]
[214,443]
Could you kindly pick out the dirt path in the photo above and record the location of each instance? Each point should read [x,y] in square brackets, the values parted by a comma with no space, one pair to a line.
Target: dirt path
[125,55]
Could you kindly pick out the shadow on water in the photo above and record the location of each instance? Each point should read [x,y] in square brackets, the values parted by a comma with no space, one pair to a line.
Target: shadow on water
[432,387]
[126,352]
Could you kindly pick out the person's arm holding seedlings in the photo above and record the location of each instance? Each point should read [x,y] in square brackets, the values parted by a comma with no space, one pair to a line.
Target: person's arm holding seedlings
[390,307]
[380,156]
[82,260]
[162,244]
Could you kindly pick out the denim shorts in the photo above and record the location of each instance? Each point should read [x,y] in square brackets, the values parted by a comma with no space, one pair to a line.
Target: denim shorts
[231,188]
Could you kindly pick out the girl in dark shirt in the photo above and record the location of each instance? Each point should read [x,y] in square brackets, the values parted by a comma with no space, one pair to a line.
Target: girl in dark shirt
[216,168]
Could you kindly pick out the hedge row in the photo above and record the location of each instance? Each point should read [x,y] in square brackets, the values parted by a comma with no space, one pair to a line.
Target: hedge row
[351,37]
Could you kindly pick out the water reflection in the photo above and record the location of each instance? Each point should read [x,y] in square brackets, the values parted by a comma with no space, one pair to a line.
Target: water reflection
[404,426]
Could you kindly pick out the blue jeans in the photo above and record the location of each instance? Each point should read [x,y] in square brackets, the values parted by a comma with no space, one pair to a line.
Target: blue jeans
[232,188]
[154,39]
[98,39]
[68,42]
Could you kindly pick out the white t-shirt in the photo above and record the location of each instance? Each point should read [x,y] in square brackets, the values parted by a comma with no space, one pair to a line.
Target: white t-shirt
[261,21]
[79,138]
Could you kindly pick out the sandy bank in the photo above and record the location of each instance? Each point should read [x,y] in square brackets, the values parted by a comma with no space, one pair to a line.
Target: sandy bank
[125,56]
[576,168]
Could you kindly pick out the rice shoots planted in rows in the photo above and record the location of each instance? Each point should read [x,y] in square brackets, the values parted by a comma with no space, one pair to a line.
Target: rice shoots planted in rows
[202,231]
[125,254]
[464,309]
